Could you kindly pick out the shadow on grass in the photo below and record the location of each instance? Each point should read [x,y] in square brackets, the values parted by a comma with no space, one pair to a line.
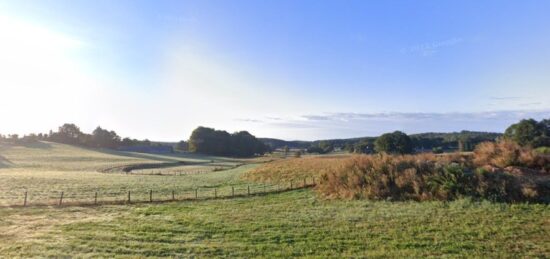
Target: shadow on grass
[4,162]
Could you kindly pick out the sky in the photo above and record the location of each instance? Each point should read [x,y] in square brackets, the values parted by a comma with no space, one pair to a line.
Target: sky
[292,69]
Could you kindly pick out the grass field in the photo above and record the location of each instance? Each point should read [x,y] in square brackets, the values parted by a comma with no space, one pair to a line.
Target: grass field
[294,223]
[47,169]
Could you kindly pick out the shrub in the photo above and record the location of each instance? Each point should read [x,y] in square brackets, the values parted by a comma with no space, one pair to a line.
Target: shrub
[543,150]
[437,150]
[507,153]
[418,177]
[486,173]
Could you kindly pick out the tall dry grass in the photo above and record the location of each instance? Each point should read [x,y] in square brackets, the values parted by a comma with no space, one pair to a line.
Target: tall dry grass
[507,153]
[417,177]
[501,171]
[295,169]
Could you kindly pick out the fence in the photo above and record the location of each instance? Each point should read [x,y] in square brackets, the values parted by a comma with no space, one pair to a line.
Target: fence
[75,198]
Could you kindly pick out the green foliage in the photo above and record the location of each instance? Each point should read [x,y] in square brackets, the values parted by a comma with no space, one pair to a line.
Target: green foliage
[437,150]
[394,143]
[104,138]
[218,142]
[450,183]
[543,150]
[529,132]
[322,147]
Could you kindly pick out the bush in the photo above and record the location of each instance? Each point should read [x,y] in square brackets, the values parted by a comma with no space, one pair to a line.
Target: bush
[507,153]
[543,150]
[418,177]
[437,150]
[495,171]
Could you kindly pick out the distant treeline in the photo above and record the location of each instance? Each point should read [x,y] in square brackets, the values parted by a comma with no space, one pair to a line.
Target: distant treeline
[526,132]
[71,134]
[464,140]
[204,140]
[218,142]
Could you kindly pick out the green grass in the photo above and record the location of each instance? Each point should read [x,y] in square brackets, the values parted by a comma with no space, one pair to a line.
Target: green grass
[295,223]
[45,170]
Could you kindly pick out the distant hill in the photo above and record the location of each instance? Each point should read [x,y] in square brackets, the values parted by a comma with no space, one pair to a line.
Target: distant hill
[446,140]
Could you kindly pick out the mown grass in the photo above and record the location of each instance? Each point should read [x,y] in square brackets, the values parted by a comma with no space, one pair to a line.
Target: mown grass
[44,170]
[295,223]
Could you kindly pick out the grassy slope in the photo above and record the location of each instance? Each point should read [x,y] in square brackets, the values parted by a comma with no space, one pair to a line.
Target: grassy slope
[46,169]
[289,224]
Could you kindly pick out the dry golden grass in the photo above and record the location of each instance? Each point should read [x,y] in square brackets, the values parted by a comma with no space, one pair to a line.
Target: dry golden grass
[508,153]
[415,177]
[295,169]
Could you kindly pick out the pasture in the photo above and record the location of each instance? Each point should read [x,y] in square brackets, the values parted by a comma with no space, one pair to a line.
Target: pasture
[44,170]
[294,223]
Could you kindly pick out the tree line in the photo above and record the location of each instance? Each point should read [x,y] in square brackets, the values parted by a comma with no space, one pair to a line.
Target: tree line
[527,132]
[71,134]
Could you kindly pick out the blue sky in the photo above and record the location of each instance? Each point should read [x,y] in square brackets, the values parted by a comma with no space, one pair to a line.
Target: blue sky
[285,69]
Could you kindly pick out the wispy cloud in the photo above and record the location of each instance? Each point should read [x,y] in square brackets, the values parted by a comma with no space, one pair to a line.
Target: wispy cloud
[250,120]
[431,48]
[506,98]
[350,124]
[398,116]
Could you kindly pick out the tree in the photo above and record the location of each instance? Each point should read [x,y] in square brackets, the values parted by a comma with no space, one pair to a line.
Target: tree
[529,132]
[217,142]
[396,142]
[104,138]
[68,134]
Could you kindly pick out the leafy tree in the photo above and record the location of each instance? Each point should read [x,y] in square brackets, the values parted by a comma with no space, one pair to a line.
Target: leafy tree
[217,142]
[529,132]
[395,142]
[68,133]
[104,138]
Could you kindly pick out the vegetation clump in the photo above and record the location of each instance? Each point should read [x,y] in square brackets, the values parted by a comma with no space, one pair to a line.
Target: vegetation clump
[502,171]
[218,142]
[396,142]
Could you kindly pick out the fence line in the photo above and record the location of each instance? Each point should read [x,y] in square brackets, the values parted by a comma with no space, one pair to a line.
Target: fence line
[164,195]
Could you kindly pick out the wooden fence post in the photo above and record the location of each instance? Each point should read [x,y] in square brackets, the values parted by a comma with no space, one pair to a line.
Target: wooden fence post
[305,183]
[61,199]
[173,196]
[291,184]
[248,189]
[313,179]
[232,191]
[25,202]
[150,195]
[95,199]
[129,197]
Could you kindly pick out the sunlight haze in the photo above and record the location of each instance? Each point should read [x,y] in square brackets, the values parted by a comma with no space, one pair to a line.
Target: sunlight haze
[354,69]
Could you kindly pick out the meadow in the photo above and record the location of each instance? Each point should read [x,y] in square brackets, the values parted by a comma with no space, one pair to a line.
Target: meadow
[299,223]
[44,170]
[295,223]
